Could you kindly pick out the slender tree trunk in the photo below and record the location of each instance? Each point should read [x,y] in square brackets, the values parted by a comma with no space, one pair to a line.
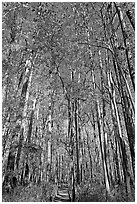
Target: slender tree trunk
[119,77]
[101,114]
[23,135]
[49,145]
[90,157]
[106,179]
[77,142]
[6,155]
[125,39]
[128,117]
[31,121]
[119,138]
[130,17]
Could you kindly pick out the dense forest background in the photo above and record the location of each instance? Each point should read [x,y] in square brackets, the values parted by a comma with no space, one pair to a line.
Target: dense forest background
[68,93]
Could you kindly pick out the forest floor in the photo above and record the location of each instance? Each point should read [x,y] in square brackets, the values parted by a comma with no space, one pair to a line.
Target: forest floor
[97,193]
[43,193]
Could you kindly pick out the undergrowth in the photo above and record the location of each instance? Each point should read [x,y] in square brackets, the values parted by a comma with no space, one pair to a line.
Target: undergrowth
[30,193]
[90,192]
[87,192]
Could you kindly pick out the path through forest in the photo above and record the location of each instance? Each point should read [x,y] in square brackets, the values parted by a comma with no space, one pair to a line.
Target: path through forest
[68,94]
[62,195]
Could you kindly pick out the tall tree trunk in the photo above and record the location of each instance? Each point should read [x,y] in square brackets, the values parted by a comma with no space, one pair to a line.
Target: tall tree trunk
[127,113]
[89,152]
[31,121]
[49,144]
[125,39]
[77,142]
[23,136]
[119,138]
[130,17]
[101,114]
[120,80]
[106,179]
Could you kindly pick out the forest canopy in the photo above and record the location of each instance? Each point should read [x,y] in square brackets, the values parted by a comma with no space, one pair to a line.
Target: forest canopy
[68,100]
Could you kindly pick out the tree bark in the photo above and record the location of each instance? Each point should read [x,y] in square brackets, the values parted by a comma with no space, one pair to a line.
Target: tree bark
[106,179]
[23,135]
[77,142]
[125,39]
[90,157]
[130,17]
